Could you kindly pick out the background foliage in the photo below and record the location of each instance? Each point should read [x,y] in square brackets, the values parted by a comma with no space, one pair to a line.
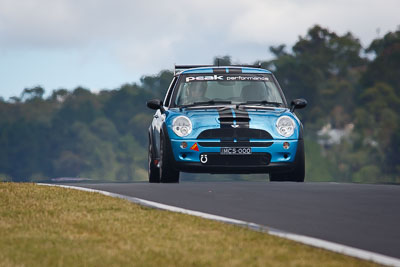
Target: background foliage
[352,122]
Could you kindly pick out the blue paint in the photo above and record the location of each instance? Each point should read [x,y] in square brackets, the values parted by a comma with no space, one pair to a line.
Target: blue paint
[208,119]
[254,70]
[198,70]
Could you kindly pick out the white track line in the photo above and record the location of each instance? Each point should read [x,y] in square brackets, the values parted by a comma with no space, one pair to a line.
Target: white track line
[315,242]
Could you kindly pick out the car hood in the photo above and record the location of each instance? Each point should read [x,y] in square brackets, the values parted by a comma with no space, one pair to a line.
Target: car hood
[203,119]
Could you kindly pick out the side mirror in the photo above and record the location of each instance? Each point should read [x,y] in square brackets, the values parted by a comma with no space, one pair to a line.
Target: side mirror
[298,104]
[155,104]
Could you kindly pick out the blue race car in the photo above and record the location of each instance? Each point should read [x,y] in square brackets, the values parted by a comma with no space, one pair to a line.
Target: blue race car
[231,119]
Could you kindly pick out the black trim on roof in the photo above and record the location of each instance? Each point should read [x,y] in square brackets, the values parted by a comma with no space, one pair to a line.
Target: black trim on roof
[186,67]
[215,66]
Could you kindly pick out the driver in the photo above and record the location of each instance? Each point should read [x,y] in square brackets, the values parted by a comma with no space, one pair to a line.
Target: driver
[196,92]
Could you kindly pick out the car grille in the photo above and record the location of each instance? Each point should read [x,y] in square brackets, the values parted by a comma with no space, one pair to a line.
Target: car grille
[230,134]
[255,159]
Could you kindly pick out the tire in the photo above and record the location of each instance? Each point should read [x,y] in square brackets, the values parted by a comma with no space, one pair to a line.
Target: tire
[297,174]
[153,171]
[167,172]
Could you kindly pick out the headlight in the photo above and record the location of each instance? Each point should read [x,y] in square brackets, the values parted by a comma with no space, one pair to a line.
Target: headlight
[285,126]
[182,126]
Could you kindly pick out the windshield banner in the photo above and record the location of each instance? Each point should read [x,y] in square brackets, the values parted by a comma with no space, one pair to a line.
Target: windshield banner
[226,78]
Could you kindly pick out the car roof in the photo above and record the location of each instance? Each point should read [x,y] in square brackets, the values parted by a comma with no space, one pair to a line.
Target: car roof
[223,70]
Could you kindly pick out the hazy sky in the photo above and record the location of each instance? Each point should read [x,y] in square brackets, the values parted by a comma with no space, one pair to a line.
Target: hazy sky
[102,44]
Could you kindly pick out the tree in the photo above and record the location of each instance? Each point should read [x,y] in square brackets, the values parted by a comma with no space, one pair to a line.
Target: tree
[222,61]
[386,66]
[32,93]
[157,84]
[378,123]
[318,69]
[59,95]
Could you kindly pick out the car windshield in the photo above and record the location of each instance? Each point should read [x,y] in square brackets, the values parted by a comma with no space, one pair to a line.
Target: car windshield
[213,89]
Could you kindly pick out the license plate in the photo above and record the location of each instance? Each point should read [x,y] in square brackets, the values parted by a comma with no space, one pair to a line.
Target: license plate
[235,150]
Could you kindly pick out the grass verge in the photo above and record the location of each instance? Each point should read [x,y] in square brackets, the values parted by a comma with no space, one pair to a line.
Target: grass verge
[50,226]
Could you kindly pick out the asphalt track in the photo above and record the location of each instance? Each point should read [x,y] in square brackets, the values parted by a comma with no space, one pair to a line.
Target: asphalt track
[357,215]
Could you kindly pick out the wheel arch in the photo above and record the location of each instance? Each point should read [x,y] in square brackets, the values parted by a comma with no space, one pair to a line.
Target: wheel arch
[164,134]
[152,142]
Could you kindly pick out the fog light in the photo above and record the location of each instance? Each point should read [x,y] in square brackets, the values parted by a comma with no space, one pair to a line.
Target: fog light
[183,145]
[286,145]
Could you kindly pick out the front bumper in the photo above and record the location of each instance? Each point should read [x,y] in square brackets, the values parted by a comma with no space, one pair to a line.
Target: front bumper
[267,156]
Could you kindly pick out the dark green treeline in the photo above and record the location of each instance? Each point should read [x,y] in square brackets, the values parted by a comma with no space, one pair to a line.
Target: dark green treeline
[352,123]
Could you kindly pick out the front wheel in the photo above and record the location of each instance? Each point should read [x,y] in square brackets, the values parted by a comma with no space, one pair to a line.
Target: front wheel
[167,173]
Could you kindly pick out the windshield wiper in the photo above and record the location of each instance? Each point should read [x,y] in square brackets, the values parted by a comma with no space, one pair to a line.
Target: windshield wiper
[262,102]
[210,102]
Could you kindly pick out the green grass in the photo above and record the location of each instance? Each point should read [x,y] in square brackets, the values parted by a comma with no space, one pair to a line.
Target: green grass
[49,226]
